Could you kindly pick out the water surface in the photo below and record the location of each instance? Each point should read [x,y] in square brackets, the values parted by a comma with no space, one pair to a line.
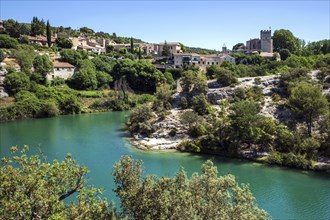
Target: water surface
[97,141]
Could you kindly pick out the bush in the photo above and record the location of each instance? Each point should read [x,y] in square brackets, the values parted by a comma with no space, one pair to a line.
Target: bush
[200,104]
[8,42]
[226,77]
[184,102]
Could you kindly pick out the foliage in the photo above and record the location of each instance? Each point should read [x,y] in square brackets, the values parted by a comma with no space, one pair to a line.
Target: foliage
[141,75]
[163,98]
[42,66]
[49,34]
[200,104]
[308,103]
[42,187]
[238,46]
[25,56]
[166,50]
[284,39]
[15,82]
[103,79]
[73,57]
[193,82]
[205,196]
[226,77]
[139,120]
[7,42]
[38,27]
[63,43]
[85,78]
[284,53]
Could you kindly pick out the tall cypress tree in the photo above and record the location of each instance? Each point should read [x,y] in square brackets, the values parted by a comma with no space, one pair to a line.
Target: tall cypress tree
[49,34]
[132,45]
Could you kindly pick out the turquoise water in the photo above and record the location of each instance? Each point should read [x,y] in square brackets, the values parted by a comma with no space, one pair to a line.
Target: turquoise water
[98,141]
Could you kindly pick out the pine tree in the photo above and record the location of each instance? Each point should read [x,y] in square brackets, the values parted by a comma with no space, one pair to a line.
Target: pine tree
[49,33]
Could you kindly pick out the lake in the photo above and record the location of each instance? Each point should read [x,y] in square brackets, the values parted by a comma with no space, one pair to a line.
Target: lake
[99,140]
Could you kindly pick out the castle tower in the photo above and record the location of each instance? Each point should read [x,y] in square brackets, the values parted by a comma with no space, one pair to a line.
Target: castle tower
[224,49]
[266,41]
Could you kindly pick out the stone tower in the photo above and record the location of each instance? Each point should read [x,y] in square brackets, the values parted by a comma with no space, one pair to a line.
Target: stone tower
[266,41]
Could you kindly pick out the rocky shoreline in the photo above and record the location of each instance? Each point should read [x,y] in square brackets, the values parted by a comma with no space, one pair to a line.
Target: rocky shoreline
[170,132]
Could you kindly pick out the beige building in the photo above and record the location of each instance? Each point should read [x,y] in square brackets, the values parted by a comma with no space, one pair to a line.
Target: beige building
[174,47]
[202,61]
[62,70]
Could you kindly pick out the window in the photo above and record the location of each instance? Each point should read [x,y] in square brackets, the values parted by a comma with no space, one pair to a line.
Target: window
[57,69]
[203,62]
[208,63]
[199,62]
[212,63]
[53,76]
[217,63]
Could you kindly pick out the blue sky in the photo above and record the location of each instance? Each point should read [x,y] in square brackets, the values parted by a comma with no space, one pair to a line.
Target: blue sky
[207,24]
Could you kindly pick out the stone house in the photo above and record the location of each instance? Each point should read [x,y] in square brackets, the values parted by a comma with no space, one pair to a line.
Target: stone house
[62,70]
[41,40]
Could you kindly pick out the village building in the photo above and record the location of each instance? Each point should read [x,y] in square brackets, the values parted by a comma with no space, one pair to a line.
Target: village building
[174,47]
[40,40]
[61,70]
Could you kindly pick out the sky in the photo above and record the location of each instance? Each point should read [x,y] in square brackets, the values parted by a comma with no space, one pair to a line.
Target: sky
[206,24]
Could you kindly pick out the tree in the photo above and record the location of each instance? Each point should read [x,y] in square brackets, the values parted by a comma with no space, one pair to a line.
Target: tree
[43,186]
[25,57]
[38,27]
[226,77]
[284,53]
[308,103]
[15,82]
[85,78]
[49,34]
[64,42]
[200,104]
[205,196]
[284,39]
[132,45]
[8,42]
[42,66]
[103,79]
[166,50]
[12,28]
[139,120]
[238,46]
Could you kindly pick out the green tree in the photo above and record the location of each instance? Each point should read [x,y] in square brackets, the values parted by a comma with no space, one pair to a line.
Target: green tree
[25,57]
[42,66]
[15,82]
[12,28]
[166,50]
[85,78]
[42,187]
[139,120]
[49,34]
[38,27]
[200,104]
[284,53]
[103,79]
[204,196]
[238,46]
[226,77]
[132,45]
[8,42]
[64,42]
[308,103]
[284,39]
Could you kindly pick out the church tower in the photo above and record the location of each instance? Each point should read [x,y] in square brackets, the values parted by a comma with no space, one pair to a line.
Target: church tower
[224,49]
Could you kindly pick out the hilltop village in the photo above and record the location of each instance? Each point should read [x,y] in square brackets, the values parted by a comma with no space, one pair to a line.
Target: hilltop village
[265,100]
